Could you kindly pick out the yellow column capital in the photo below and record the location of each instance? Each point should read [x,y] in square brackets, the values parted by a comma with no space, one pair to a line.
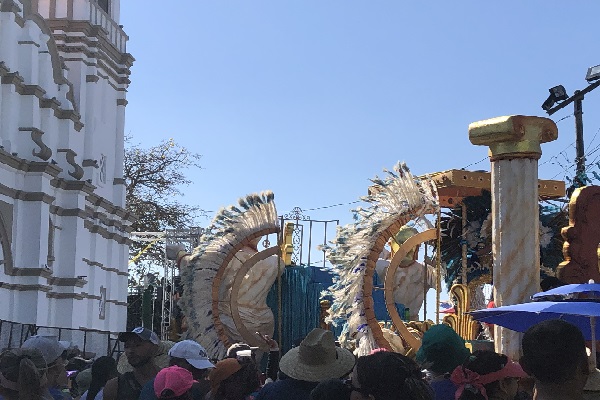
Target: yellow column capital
[513,136]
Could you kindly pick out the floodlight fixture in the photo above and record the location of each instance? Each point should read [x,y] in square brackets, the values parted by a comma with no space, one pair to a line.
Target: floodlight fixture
[593,73]
[557,93]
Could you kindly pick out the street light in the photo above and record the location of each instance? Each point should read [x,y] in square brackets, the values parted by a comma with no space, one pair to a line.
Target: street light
[557,93]
[593,73]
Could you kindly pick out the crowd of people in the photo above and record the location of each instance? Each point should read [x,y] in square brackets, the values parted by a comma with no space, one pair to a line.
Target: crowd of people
[554,366]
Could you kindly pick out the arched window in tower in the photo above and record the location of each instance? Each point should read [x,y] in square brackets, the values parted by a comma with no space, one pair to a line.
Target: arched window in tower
[105,5]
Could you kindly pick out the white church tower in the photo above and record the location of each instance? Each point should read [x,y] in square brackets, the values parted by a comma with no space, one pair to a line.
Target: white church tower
[64,73]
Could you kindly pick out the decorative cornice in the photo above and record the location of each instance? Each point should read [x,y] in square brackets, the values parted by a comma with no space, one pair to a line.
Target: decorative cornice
[28,42]
[15,162]
[9,6]
[64,184]
[92,78]
[94,263]
[88,162]
[24,165]
[43,272]
[119,303]
[90,31]
[26,196]
[74,282]
[98,201]
[105,233]
[68,212]
[3,69]
[15,79]
[112,222]
[25,288]
[43,167]
[57,295]
[32,90]
[101,266]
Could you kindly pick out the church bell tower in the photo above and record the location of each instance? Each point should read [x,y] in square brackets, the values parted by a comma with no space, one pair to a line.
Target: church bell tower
[93,45]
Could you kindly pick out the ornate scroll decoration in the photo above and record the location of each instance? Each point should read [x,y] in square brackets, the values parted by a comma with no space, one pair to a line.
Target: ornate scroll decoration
[297,215]
[70,156]
[36,135]
[461,322]
[287,247]
[582,237]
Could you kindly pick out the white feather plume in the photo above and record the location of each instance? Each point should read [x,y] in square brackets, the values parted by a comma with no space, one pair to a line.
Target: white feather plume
[230,226]
[399,194]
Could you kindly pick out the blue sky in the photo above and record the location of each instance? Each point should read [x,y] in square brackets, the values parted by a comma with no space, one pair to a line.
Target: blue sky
[312,98]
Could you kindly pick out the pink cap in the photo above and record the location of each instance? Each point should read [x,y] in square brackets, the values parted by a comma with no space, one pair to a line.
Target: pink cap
[172,382]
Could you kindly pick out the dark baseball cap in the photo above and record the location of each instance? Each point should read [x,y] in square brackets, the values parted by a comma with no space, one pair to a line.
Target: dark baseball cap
[143,333]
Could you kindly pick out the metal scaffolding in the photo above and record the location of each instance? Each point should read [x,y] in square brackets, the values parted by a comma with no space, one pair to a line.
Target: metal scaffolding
[167,286]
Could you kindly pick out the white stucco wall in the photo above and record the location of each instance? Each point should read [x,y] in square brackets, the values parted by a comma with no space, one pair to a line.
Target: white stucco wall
[52,197]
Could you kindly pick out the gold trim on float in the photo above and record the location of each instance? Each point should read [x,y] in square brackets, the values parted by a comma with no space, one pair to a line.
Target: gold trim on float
[390,304]
[249,337]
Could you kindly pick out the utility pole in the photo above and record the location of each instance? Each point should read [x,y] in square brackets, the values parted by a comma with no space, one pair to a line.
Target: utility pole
[577,100]
[579,151]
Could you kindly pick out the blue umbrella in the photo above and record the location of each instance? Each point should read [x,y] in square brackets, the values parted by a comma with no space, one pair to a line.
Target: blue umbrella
[519,317]
[590,290]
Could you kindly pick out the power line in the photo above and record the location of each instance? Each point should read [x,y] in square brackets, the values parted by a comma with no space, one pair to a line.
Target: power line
[563,118]
[475,163]
[333,205]
[557,154]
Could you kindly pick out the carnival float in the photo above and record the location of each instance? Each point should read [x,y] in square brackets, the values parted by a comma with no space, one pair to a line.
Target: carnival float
[463,229]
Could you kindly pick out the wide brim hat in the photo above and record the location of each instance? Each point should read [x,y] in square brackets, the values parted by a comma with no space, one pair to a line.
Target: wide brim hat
[317,358]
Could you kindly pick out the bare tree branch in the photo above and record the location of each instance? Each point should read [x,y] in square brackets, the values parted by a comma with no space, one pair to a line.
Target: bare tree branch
[154,178]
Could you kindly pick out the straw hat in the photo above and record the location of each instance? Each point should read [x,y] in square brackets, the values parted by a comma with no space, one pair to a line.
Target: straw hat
[317,358]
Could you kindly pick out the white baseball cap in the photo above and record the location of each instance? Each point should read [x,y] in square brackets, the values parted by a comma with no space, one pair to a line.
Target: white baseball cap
[192,352]
[49,346]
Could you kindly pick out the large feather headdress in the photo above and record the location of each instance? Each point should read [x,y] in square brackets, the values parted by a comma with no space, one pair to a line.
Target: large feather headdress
[399,197]
[231,229]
